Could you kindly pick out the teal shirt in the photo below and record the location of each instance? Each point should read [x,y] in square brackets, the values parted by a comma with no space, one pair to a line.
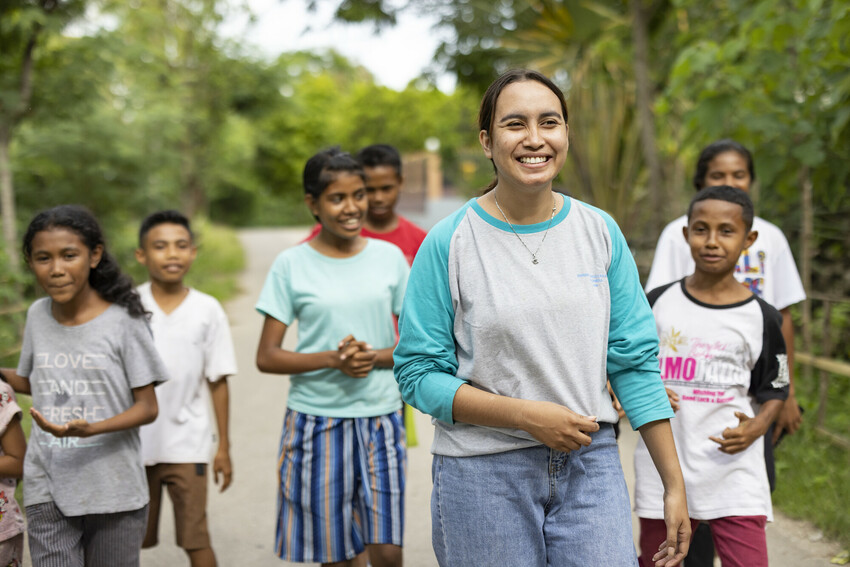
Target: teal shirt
[332,298]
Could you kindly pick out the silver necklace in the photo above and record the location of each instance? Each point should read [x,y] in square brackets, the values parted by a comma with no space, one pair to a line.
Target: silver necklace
[533,254]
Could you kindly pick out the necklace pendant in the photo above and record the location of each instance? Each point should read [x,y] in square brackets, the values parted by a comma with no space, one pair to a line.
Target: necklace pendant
[534,260]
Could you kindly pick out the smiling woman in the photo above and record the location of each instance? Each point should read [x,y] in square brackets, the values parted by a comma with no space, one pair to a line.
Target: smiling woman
[521,296]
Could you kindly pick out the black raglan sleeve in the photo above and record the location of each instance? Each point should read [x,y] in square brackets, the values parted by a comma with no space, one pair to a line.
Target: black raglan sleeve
[769,379]
[653,295]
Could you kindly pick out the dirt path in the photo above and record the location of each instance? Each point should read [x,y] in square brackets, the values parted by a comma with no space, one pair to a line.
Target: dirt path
[242,519]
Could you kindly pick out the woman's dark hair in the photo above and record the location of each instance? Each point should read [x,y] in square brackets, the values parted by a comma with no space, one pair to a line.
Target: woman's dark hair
[105,278]
[713,150]
[487,112]
[323,168]
[728,194]
[163,217]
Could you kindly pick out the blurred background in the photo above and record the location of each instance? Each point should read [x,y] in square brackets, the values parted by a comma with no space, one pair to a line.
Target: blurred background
[213,106]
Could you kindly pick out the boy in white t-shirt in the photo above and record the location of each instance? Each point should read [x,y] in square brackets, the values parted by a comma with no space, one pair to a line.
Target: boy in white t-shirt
[723,355]
[192,335]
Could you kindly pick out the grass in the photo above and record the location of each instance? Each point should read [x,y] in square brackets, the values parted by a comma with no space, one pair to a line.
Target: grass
[813,473]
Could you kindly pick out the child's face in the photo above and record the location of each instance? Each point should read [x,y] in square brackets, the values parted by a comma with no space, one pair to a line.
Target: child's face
[717,235]
[341,207]
[728,168]
[382,188]
[168,253]
[61,263]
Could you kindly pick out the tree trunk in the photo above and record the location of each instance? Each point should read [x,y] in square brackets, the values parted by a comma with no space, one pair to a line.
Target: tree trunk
[7,201]
[806,255]
[646,118]
[7,124]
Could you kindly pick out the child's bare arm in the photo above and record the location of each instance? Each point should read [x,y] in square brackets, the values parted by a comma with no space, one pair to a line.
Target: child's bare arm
[659,441]
[144,410]
[221,406]
[18,383]
[14,448]
[384,357]
[789,418]
[736,439]
[276,360]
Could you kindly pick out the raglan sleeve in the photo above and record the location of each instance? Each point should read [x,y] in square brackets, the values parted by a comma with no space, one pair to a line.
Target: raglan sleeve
[769,379]
[632,361]
[425,357]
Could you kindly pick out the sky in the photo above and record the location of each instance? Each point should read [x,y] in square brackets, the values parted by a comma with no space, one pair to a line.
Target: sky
[395,56]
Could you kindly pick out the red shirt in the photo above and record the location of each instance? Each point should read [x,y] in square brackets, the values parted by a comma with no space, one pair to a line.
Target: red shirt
[406,236]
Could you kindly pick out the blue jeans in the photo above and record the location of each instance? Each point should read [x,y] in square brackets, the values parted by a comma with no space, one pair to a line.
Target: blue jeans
[533,507]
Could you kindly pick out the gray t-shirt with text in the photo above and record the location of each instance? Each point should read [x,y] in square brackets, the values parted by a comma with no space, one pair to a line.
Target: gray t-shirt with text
[86,372]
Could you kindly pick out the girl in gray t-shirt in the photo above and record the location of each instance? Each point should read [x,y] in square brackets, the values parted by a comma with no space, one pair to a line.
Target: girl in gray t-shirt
[89,362]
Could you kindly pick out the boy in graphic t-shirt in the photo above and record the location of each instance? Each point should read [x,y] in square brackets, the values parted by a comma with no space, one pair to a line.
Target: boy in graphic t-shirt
[723,356]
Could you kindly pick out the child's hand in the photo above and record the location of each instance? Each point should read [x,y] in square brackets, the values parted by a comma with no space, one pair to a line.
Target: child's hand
[359,364]
[74,428]
[736,439]
[355,358]
[673,550]
[674,399]
[556,426]
[223,466]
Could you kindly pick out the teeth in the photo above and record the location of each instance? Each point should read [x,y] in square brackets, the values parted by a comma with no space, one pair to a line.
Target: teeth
[532,159]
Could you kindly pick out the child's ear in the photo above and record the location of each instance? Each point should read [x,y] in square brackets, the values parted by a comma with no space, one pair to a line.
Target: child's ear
[484,138]
[140,255]
[310,201]
[96,255]
[685,232]
[751,238]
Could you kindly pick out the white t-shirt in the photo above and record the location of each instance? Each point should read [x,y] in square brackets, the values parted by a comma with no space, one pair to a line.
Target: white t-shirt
[195,344]
[767,267]
[719,359]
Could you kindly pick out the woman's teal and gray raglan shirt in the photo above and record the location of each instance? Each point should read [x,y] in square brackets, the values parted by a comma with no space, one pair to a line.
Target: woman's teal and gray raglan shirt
[478,311]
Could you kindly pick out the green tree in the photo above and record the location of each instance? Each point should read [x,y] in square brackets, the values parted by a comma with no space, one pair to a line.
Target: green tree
[775,74]
[24,27]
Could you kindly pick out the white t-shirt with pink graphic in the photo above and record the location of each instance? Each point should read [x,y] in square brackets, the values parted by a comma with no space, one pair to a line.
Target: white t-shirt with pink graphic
[719,359]
[767,268]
